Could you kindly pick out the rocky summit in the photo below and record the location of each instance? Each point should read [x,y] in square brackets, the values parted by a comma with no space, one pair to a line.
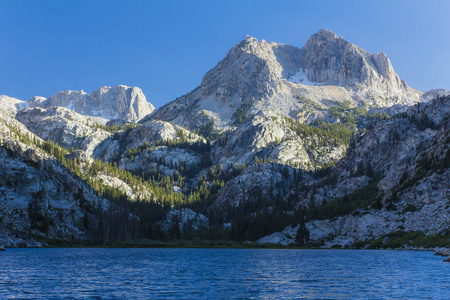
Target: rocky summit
[261,76]
[323,145]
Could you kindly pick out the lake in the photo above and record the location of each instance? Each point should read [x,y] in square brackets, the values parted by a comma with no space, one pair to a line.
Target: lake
[57,273]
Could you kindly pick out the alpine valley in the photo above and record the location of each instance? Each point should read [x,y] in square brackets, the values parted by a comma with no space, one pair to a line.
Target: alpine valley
[322,146]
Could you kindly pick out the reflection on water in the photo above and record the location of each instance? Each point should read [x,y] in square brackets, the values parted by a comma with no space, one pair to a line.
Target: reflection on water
[222,274]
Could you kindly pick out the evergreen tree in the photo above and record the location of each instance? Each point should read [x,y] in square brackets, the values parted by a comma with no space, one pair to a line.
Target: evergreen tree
[302,235]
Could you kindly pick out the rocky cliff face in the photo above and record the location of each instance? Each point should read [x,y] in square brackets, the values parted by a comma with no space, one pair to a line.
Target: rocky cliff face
[119,102]
[274,138]
[252,71]
[330,60]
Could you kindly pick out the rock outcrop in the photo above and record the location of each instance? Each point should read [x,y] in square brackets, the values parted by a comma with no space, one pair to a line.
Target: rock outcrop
[186,220]
[63,126]
[256,183]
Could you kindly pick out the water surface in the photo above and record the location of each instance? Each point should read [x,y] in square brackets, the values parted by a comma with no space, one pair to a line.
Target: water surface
[222,274]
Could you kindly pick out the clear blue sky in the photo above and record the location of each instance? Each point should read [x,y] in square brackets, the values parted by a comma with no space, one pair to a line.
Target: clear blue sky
[165,47]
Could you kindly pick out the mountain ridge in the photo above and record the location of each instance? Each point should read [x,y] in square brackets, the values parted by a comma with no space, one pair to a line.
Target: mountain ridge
[119,102]
[259,74]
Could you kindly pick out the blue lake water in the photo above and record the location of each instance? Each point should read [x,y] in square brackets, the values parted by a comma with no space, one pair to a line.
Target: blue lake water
[222,274]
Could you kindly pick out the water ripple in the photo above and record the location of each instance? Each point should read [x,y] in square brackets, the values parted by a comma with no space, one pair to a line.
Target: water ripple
[221,274]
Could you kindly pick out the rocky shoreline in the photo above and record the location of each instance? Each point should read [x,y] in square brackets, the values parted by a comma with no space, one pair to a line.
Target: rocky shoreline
[445,252]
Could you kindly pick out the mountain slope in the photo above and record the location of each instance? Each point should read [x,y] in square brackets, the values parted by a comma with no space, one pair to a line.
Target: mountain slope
[395,177]
[39,197]
[10,106]
[261,93]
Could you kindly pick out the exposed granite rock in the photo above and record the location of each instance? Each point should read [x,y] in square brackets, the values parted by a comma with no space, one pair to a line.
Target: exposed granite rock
[260,81]
[155,147]
[166,161]
[256,182]
[119,102]
[265,76]
[63,126]
[185,218]
[271,138]
[10,106]
[284,238]
[119,184]
[331,60]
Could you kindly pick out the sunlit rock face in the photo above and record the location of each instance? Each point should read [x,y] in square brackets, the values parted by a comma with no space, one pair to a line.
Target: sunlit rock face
[331,60]
[10,106]
[119,102]
[64,126]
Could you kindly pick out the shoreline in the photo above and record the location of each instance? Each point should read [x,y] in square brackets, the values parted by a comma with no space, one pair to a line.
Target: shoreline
[438,251]
[442,251]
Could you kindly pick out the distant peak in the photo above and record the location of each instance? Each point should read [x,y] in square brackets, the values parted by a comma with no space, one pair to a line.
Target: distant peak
[328,37]
[328,34]
[249,39]
[249,44]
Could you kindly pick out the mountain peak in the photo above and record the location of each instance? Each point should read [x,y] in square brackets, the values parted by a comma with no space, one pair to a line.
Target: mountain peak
[249,38]
[326,38]
[326,33]
[248,43]
[330,59]
[118,102]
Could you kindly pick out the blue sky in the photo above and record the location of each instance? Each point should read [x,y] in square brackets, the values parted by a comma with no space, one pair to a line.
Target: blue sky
[165,47]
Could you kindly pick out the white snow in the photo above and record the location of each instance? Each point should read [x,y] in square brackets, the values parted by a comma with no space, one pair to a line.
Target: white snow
[302,78]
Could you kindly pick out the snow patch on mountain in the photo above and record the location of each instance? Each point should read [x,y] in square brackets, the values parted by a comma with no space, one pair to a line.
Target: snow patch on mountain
[302,77]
